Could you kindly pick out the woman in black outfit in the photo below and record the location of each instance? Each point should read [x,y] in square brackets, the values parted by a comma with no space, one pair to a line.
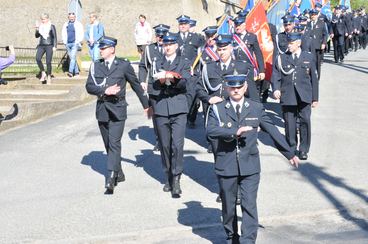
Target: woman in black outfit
[48,42]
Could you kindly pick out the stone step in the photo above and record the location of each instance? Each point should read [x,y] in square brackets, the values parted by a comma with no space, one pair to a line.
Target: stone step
[40,86]
[25,94]
[37,101]
[32,111]
[56,80]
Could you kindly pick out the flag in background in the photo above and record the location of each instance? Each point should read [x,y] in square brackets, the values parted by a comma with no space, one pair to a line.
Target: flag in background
[224,26]
[250,5]
[346,3]
[256,23]
[276,11]
[306,4]
[75,6]
[326,9]
[293,9]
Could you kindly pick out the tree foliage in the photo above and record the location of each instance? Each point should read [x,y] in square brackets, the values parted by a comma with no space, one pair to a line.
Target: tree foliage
[354,3]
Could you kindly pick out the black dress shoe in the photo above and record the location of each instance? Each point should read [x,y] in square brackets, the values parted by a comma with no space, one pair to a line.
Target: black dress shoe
[209,149]
[111,182]
[303,155]
[167,187]
[176,190]
[218,199]
[121,176]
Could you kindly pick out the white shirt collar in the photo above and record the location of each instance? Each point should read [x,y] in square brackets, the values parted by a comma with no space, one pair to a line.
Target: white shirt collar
[110,60]
[171,58]
[298,52]
[234,103]
[226,63]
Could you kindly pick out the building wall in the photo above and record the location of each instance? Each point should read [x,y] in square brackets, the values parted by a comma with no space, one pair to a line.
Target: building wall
[118,16]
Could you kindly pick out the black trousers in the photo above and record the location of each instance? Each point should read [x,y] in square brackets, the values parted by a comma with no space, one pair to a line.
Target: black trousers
[193,110]
[338,43]
[319,57]
[41,50]
[363,39]
[356,41]
[152,101]
[171,133]
[248,190]
[111,133]
[290,115]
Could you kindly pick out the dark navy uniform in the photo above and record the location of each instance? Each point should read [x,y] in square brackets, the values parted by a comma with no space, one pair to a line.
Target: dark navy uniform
[212,80]
[298,83]
[237,163]
[170,109]
[190,44]
[111,110]
[318,33]
[364,33]
[357,30]
[339,29]
[152,54]
[251,41]
[281,42]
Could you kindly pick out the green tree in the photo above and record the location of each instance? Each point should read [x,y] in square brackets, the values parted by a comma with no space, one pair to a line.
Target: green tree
[354,3]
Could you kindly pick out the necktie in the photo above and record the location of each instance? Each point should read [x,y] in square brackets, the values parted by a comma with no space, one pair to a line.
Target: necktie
[238,110]
[107,65]
[295,56]
[184,37]
[223,67]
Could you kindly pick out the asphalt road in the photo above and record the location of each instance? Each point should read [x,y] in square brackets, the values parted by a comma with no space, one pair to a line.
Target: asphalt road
[52,177]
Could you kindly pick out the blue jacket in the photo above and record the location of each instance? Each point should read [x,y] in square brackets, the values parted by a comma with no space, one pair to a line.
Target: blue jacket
[98,32]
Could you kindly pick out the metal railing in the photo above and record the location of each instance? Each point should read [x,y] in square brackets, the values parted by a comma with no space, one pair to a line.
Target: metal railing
[25,61]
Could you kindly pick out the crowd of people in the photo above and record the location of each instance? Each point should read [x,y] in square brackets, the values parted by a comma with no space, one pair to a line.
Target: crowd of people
[73,35]
[225,73]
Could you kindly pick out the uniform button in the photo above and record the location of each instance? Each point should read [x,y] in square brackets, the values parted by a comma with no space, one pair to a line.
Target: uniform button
[294,83]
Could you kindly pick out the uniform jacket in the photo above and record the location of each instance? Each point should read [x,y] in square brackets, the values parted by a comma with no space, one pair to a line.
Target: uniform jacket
[302,81]
[364,22]
[281,42]
[357,24]
[171,99]
[307,42]
[251,41]
[212,77]
[188,49]
[120,72]
[240,156]
[51,39]
[339,27]
[318,34]
[152,54]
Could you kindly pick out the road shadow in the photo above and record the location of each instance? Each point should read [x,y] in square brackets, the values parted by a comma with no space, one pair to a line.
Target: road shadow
[150,163]
[201,172]
[316,175]
[205,222]
[198,134]
[355,67]
[97,161]
[145,133]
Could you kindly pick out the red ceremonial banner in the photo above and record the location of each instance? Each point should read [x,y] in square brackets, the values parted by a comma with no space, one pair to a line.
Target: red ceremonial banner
[256,23]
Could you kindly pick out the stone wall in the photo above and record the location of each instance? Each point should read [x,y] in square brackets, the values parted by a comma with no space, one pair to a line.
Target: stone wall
[118,16]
